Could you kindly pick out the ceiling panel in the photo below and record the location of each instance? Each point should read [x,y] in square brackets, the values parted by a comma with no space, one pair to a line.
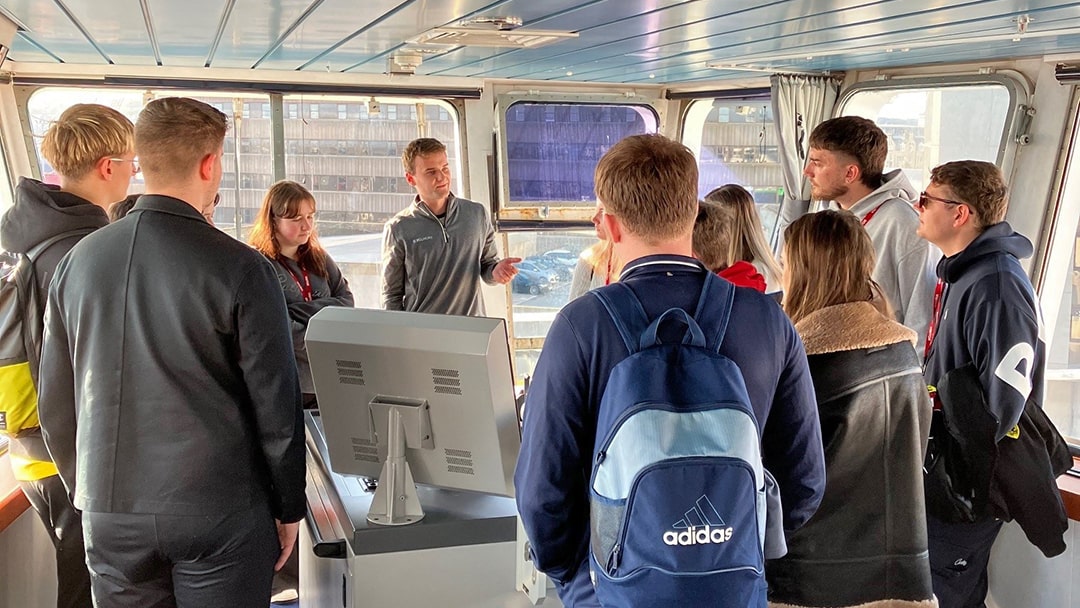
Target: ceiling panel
[633,41]
[597,24]
[771,40]
[392,33]
[51,30]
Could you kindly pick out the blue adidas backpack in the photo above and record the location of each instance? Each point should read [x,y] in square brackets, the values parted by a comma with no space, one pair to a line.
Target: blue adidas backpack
[677,491]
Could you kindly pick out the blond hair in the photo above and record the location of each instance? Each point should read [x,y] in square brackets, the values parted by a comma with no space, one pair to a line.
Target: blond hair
[745,238]
[828,260]
[174,134]
[649,182]
[84,134]
[420,147]
[601,257]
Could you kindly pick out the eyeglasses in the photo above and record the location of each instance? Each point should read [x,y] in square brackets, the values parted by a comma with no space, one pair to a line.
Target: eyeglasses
[135,168]
[924,197]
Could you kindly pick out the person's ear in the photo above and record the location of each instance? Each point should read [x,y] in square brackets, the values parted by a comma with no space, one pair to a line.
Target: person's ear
[852,175]
[409,177]
[612,227]
[206,166]
[104,168]
[963,215]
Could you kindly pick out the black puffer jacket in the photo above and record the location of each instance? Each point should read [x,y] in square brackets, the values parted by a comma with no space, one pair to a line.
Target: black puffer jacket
[866,544]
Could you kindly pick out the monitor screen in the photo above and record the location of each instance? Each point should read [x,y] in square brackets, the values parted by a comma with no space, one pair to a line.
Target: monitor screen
[459,367]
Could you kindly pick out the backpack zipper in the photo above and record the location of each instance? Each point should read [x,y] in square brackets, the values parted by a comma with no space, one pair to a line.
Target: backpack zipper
[613,560]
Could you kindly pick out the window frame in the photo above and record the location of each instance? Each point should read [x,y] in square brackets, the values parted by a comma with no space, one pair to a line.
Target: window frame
[541,216]
[1015,84]
[1060,237]
[745,96]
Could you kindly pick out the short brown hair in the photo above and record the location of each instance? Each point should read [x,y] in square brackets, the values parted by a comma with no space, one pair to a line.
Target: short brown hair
[420,147]
[712,236]
[283,200]
[84,134]
[857,138]
[978,184]
[650,183]
[828,260]
[173,134]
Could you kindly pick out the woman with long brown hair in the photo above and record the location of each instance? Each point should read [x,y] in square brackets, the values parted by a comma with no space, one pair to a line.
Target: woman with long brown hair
[285,233]
[866,545]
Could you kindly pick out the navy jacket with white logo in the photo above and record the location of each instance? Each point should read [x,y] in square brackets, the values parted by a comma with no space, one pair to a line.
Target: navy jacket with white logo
[989,317]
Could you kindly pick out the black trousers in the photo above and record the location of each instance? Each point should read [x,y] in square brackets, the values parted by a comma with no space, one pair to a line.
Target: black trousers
[53,506]
[167,561]
[959,554]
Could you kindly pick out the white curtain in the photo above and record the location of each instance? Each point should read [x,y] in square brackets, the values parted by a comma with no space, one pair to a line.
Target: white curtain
[799,104]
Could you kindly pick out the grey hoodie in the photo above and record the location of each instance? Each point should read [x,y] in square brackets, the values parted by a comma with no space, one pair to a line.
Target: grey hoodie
[434,265]
[905,262]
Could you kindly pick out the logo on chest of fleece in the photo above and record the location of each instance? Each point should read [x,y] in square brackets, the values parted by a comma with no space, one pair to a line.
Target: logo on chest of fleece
[421,239]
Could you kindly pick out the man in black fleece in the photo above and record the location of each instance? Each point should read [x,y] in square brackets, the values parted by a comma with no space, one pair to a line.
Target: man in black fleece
[92,148]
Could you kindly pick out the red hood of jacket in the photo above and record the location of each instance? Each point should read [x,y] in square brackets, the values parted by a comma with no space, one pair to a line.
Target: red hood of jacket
[743,274]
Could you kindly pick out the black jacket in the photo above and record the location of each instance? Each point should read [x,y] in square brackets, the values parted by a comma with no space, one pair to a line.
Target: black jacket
[867,541]
[331,290]
[171,339]
[42,211]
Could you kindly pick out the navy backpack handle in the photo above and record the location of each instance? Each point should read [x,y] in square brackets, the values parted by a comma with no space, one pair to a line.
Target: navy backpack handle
[693,336]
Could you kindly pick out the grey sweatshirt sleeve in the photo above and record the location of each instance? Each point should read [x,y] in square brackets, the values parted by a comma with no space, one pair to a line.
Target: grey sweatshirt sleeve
[490,256]
[393,278]
[915,276]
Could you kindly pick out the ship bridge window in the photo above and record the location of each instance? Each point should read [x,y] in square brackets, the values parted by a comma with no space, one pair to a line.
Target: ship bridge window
[350,159]
[934,121]
[736,141]
[1059,294]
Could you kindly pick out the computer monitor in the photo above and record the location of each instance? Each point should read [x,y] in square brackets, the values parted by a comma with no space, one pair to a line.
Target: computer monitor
[415,397]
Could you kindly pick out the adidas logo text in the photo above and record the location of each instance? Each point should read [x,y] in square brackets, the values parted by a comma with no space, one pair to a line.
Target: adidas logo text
[697,536]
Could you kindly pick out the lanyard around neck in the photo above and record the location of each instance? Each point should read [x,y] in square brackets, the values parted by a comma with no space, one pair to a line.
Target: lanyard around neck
[305,287]
[931,332]
[866,218]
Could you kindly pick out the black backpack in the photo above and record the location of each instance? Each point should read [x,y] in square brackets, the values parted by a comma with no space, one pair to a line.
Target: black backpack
[21,327]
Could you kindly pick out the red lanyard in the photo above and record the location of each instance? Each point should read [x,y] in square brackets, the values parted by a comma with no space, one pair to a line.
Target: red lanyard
[305,287]
[866,219]
[607,277]
[939,290]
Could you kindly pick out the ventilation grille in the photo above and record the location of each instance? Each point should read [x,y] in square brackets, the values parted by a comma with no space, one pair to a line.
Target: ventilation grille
[446,381]
[350,372]
[364,450]
[466,36]
[459,461]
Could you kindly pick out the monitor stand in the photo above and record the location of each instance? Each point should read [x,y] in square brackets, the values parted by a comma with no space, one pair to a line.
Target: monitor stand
[408,424]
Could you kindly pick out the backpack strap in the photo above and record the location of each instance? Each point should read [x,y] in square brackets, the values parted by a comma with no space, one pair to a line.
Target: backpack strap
[638,333]
[715,290]
[626,312]
[35,252]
